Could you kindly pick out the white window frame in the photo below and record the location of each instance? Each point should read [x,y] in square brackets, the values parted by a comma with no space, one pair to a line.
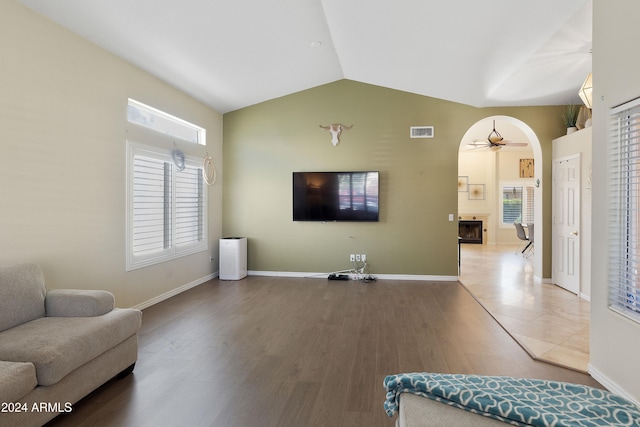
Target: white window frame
[173,247]
[624,218]
[165,123]
[525,184]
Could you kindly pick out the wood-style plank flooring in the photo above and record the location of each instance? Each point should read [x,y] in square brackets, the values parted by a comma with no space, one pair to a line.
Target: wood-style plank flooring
[267,351]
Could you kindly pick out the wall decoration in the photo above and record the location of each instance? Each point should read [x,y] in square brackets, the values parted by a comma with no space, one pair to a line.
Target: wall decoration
[463,184]
[209,170]
[336,129]
[476,191]
[526,168]
[178,158]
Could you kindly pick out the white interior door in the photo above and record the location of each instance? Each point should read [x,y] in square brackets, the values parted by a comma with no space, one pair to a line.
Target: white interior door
[566,223]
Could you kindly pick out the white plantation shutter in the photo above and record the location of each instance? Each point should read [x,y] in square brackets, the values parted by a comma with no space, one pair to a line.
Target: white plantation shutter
[189,206]
[167,208]
[517,204]
[624,182]
[529,192]
[151,206]
[511,204]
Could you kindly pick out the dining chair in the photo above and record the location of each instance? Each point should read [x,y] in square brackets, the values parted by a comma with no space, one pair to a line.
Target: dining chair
[530,235]
[521,235]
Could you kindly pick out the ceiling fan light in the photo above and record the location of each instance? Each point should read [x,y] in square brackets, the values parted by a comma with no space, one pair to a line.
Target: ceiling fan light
[494,136]
[586,92]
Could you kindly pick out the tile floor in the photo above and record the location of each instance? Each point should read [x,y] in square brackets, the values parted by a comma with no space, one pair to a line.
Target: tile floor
[550,323]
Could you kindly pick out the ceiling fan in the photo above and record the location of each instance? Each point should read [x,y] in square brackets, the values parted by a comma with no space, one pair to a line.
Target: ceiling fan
[494,141]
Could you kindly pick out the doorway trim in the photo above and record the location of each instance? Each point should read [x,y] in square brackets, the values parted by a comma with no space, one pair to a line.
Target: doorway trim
[539,184]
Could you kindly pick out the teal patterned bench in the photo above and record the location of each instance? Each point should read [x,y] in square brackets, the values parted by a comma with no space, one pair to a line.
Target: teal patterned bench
[522,402]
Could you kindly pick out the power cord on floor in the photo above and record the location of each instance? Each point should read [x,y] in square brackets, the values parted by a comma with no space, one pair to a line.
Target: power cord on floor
[360,272]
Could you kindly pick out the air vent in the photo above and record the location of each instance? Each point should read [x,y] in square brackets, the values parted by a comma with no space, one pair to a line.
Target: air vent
[421,131]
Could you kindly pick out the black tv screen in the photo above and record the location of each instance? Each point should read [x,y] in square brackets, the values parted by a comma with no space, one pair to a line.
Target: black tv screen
[336,196]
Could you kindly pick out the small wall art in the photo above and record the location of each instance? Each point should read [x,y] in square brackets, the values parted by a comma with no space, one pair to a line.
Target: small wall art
[463,184]
[476,191]
[526,168]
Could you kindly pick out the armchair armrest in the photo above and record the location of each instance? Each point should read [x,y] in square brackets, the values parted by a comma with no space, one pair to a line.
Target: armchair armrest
[78,303]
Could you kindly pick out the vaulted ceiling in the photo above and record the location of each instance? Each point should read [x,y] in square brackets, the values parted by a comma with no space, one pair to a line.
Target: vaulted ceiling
[232,54]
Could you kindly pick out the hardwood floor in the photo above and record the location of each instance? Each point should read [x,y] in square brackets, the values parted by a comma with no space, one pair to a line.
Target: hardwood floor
[267,351]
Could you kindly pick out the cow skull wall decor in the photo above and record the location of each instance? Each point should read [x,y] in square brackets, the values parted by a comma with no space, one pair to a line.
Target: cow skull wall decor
[336,129]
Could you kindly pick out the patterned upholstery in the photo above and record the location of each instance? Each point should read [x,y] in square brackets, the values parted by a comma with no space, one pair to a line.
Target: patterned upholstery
[517,401]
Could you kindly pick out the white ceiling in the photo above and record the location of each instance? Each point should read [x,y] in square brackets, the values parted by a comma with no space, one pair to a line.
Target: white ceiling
[232,54]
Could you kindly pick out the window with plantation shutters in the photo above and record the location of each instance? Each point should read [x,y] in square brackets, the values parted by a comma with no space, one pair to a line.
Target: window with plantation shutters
[166,206]
[517,203]
[624,182]
[511,204]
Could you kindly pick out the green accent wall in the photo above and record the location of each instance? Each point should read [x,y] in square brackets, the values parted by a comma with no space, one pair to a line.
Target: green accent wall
[263,144]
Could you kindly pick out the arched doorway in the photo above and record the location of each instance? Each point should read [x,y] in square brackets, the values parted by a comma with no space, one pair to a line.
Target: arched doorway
[512,129]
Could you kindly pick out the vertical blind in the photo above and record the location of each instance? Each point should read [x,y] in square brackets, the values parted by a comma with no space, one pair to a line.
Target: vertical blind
[624,191]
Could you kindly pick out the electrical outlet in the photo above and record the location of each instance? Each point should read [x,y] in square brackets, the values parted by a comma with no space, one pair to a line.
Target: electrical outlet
[363,257]
[352,257]
[357,257]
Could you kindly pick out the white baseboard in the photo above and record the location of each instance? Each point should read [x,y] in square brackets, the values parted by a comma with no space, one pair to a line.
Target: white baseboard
[378,276]
[418,277]
[202,280]
[175,291]
[287,274]
[610,385]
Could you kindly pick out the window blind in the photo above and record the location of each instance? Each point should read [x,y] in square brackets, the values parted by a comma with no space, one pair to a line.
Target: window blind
[529,204]
[167,207]
[189,206]
[624,186]
[151,206]
[511,204]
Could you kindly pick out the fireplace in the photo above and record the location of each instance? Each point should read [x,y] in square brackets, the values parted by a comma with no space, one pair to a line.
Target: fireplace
[470,231]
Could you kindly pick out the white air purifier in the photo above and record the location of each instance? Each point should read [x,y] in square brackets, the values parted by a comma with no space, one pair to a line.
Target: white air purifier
[233,258]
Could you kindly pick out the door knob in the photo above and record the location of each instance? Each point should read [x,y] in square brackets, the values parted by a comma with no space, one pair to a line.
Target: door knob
[575,233]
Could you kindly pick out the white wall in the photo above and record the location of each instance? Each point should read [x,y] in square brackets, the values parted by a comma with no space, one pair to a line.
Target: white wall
[615,341]
[63,129]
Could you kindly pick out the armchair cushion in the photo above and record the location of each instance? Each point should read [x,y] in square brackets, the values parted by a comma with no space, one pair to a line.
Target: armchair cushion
[59,345]
[22,294]
[78,303]
[17,380]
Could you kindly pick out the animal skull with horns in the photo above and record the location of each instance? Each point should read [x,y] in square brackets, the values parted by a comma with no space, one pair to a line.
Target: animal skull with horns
[336,129]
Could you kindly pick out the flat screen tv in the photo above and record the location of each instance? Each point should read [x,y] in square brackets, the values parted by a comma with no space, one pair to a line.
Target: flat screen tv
[336,196]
